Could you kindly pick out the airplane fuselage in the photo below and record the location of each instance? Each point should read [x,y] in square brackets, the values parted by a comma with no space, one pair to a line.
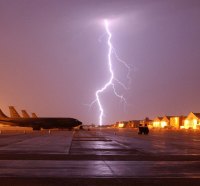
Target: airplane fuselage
[45,123]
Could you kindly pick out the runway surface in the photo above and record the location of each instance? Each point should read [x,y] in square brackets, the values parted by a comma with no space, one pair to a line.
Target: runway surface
[100,157]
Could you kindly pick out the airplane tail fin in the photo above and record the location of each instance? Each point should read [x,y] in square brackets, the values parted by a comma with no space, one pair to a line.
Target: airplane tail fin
[13,112]
[25,114]
[2,115]
[34,115]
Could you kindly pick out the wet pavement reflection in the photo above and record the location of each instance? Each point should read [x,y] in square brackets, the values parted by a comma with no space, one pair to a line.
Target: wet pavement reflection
[100,153]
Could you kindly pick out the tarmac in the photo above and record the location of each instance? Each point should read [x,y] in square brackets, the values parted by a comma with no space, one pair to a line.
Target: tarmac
[100,157]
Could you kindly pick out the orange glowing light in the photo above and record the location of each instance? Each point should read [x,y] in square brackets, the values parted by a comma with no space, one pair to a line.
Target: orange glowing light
[121,125]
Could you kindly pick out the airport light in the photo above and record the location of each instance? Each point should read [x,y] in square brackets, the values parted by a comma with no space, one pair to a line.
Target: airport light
[194,124]
[163,124]
[156,124]
[121,125]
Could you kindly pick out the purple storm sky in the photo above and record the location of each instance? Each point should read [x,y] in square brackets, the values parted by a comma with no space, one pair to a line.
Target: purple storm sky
[53,57]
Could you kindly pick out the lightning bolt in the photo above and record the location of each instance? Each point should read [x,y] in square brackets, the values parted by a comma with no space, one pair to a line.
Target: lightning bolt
[112,78]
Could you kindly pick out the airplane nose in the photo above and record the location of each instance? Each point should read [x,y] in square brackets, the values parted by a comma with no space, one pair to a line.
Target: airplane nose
[79,122]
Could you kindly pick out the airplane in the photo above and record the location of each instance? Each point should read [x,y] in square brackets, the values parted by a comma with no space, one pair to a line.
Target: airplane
[34,115]
[37,123]
[25,114]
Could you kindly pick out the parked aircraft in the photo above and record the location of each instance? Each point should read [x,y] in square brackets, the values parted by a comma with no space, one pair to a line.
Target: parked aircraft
[25,114]
[13,112]
[34,115]
[37,123]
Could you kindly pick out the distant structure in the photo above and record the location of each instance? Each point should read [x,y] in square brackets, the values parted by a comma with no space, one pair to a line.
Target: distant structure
[147,122]
[157,122]
[177,122]
[127,124]
[192,121]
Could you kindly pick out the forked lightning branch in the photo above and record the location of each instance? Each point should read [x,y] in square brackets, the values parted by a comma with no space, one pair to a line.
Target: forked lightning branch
[112,80]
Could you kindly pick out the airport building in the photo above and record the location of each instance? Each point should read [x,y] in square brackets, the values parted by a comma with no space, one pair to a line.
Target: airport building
[192,121]
[127,124]
[177,121]
[157,122]
[173,122]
